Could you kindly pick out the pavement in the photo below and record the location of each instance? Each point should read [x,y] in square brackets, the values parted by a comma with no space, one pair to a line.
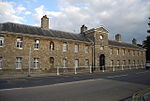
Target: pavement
[110,86]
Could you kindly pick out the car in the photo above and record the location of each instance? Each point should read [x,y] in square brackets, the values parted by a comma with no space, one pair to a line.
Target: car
[147,64]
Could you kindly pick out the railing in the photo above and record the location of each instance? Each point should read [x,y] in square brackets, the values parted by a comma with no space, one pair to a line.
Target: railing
[91,69]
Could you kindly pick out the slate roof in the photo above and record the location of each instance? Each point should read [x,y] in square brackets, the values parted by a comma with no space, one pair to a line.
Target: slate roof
[123,44]
[31,30]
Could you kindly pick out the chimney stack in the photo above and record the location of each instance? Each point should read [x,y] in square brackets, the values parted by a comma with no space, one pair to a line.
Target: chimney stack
[45,22]
[134,41]
[118,37]
[83,29]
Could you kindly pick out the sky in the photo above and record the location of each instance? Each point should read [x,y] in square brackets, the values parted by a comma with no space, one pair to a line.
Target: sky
[126,17]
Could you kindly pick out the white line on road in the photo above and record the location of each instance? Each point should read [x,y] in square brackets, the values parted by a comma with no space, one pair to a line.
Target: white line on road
[117,76]
[142,72]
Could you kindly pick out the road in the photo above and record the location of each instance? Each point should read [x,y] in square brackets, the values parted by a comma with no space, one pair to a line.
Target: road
[94,87]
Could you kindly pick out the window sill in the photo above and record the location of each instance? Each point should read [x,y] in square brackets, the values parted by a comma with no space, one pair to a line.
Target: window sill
[19,48]
[18,68]
[36,49]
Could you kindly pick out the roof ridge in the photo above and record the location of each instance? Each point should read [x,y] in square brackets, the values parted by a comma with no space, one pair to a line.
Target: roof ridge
[40,27]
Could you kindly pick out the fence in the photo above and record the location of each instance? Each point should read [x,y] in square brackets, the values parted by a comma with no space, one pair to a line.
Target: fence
[91,69]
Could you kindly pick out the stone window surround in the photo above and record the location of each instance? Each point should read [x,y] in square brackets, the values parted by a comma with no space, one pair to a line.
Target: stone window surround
[76,48]
[18,62]
[86,62]
[65,63]
[19,42]
[51,46]
[86,49]
[36,63]
[36,44]
[65,47]
[1,41]
[76,63]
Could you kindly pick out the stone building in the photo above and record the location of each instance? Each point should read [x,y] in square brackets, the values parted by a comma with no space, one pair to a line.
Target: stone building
[42,48]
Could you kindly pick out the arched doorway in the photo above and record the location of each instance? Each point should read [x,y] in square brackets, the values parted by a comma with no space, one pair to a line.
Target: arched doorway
[51,62]
[102,62]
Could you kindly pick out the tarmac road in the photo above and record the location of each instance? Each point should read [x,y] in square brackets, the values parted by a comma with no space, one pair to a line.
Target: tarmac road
[94,87]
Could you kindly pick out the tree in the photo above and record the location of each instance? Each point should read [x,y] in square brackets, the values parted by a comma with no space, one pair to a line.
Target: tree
[146,45]
[148,31]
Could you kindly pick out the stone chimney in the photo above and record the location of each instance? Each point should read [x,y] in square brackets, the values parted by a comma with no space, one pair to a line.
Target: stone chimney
[118,37]
[45,22]
[83,29]
[134,41]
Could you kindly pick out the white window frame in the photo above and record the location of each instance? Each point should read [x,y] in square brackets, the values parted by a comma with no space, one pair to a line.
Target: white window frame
[76,63]
[111,63]
[36,63]
[101,47]
[1,41]
[51,46]
[124,62]
[111,50]
[86,62]
[76,48]
[19,43]
[117,51]
[101,37]
[86,49]
[118,62]
[1,62]
[65,46]
[124,51]
[133,62]
[37,44]
[18,62]
[65,63]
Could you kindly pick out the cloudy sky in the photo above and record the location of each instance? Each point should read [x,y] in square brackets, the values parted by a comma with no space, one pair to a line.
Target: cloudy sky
[126,17]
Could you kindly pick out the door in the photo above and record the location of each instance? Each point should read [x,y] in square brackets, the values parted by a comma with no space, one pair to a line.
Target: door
[102,62]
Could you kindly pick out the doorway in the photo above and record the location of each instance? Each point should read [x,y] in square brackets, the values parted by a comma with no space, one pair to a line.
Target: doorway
[102,62]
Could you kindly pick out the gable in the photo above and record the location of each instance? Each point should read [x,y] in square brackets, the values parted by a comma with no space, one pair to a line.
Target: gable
[101,29]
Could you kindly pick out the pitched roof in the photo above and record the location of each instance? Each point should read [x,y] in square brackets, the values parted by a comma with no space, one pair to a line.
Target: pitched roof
[123,44]
[31,30]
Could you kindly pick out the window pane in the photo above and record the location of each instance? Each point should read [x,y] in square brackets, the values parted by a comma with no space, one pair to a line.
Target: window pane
[18,62]
[1,41]
[36,44]
[64,47]
[76,63]
[86,49]
[19,43]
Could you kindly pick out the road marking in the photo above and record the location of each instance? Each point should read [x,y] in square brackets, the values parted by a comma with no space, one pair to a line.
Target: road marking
[58,84]
[142,72]
[117,76]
